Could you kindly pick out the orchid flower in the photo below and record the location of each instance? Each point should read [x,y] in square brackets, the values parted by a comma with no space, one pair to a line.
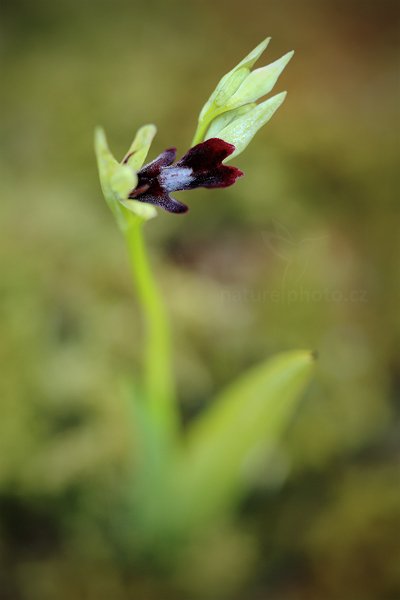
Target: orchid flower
[227,123]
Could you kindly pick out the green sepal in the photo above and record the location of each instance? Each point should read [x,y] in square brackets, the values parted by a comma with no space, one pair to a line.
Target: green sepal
[118,179]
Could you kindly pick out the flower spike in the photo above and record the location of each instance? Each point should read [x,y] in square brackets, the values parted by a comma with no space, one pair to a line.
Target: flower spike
[227,123]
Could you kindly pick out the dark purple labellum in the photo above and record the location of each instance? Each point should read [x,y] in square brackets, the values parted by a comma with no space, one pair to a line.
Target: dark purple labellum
[200,167]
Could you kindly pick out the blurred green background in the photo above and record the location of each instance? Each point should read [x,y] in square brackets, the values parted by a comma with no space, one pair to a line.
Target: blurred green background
[302,252]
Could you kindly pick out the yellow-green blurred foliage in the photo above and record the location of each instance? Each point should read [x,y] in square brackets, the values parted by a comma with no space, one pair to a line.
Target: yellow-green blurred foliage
[302,252]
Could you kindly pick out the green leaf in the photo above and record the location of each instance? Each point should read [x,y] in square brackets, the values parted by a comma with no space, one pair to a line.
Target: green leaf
[255,410]
[241,130]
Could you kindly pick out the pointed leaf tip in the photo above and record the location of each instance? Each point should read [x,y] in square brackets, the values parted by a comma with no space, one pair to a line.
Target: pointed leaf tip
[252,412]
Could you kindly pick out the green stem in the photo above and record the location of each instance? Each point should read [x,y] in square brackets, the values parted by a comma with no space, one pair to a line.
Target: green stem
[204,124]
[200,132]
[159,385]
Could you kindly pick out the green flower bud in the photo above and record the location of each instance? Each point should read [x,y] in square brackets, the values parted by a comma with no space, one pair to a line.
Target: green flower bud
[232,80]
[241,130]
[232,104]
[218,124]
[259,82]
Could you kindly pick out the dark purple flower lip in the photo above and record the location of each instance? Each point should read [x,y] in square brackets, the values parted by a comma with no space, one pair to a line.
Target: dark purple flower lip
[201,166]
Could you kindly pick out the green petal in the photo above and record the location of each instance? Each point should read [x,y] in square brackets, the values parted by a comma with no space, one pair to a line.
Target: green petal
[241,131]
